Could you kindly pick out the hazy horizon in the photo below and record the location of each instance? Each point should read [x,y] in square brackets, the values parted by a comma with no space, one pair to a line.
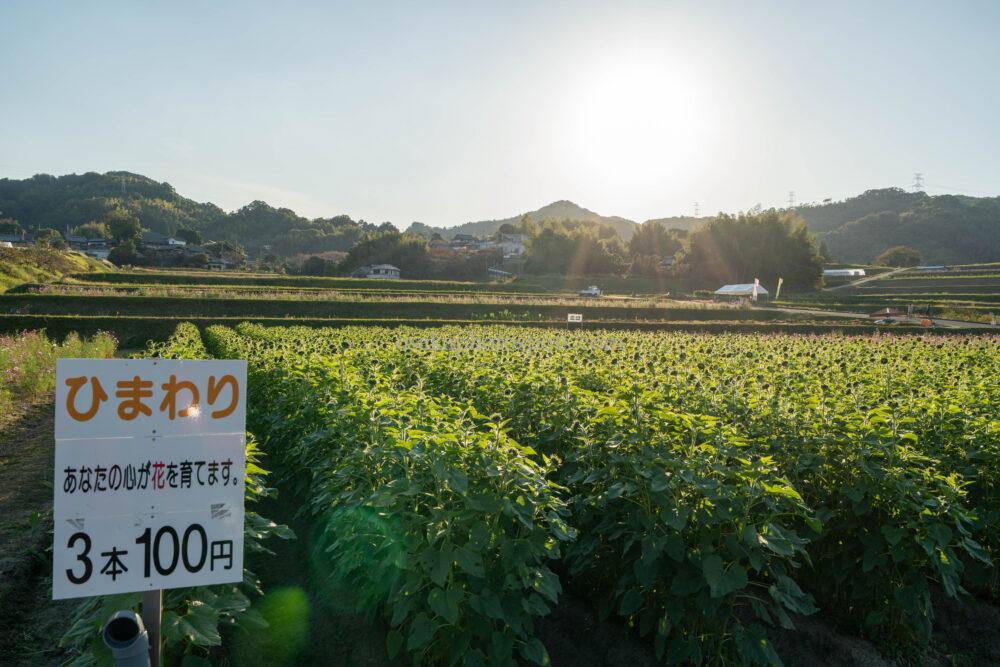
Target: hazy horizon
[445,113]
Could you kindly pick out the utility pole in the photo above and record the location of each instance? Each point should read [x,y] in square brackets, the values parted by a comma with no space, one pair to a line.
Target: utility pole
[697,209]
[791,199]
[918,182]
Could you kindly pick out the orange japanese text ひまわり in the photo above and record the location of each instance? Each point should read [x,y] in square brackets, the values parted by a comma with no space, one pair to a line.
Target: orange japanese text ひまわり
[172,389]
[97,396]
[215,388]
[133,391]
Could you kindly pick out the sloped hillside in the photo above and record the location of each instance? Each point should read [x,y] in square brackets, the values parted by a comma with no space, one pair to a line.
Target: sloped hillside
[946,229]
[36,265]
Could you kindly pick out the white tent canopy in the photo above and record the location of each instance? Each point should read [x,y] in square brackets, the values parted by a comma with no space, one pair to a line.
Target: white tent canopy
[744,289]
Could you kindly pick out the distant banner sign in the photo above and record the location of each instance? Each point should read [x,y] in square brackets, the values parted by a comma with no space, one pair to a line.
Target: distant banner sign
[149,478]
[574,317]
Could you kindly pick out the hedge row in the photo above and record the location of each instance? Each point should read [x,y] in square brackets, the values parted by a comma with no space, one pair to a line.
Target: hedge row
[189,278]
[68,304]
[136,332]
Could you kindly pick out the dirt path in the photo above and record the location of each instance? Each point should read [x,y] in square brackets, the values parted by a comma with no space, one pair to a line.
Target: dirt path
[29,619]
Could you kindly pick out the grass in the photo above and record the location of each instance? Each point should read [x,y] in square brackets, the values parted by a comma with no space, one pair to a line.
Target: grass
[33,265]
[28,359]
[161,277]
[345,295]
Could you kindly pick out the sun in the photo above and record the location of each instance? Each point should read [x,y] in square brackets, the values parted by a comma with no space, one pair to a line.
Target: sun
[638,118]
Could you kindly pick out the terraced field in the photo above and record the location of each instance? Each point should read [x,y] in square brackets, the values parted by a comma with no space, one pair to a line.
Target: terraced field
[967,292]
[140,306]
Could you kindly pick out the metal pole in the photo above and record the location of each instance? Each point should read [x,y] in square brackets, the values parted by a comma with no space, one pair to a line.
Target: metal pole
[152,610]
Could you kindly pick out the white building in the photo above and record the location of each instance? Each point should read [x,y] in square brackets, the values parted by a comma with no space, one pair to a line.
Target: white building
[741,291]
[378,271]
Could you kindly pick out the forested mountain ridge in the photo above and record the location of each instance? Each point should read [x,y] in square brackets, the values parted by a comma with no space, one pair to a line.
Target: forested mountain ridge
[944,228]
[559,210]
[65,202]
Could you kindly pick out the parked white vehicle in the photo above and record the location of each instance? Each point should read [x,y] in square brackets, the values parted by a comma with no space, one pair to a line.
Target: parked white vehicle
[593,290]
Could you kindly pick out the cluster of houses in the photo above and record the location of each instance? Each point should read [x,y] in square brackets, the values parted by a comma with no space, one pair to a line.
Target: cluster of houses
[165,249]
[510,245]
[153,246]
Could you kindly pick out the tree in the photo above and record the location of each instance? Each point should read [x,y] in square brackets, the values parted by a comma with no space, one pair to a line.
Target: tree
[49,238]
[92,230]
[573,248]
[899,255]
[123,225]
[10,227]
[824,252]
[124,253]
[766,245]
[652,238]
[317,266]
[191,236]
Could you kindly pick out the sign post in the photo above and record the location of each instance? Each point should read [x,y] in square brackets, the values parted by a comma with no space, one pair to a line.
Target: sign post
[149,478]
[152,612]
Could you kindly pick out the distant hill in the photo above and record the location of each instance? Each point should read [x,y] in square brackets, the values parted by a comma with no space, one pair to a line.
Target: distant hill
[560,210]
[946,229]
[63,202]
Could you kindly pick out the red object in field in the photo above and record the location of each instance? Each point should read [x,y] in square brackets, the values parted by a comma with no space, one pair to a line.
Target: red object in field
[927,323]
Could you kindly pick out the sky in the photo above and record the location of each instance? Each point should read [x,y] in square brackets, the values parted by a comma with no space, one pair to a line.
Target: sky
[446,112]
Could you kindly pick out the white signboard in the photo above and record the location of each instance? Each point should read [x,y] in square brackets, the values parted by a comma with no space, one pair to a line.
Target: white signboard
[149,477]
[574,317]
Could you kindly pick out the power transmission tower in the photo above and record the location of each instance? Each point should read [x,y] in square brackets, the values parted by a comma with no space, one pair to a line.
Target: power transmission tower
[918,182]
[697,209]
[791,199]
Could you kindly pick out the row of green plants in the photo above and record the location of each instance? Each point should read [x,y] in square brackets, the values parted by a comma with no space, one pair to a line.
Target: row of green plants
[275,280]
[432,517]
[721,484]
[196,622]
[250,307]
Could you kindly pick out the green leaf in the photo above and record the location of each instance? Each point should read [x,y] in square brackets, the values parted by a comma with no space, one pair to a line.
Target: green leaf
[458,482]
[443,604]
[198,626]
[393,642]
[534,651]
[630,603]
[711,567]
[469,562]
[893,534]
[782,490]
[421,631]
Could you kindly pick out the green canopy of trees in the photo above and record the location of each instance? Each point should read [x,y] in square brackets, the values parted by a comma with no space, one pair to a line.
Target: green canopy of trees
[92,230]
[766,245]
[124,254]
[49,238]
[652,238]
[123,225]
[573,247]
[899,255]
[191,236]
